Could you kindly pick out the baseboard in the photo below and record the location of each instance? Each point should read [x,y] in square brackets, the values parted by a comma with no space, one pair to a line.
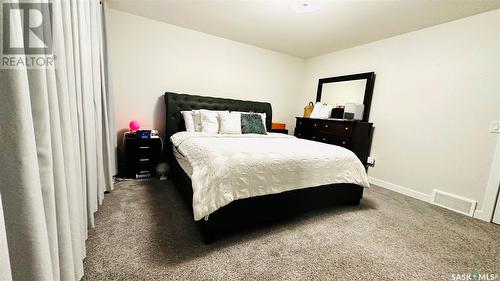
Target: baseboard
[478,214]
[401,189]
[481,215]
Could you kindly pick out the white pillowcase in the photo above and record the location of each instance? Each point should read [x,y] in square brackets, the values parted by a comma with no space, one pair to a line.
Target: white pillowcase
[196,120]
[263,115]
[229,123]
[321,110]
[210,120]
[188,120]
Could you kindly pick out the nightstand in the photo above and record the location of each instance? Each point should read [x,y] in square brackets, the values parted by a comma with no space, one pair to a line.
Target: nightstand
[281,131]
[142,155]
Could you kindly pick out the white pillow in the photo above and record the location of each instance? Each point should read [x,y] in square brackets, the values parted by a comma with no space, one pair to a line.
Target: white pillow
[188,120]
[210,120]
[263,115]
[196,120]
[229,123]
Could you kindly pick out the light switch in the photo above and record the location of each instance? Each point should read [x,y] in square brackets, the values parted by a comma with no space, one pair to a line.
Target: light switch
[495,127]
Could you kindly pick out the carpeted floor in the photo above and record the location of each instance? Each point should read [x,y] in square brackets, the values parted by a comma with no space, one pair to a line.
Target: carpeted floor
[144,232]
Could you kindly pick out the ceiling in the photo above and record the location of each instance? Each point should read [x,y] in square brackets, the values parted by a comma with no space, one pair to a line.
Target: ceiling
[274,25]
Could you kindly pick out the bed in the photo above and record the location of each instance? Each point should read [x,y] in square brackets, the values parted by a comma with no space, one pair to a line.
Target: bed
[236,181]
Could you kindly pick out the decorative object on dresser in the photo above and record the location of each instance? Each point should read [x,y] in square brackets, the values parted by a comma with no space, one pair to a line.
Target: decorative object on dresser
[338,112]
[353,135]
[142,155]
[308,109]
[321,110]
[353,111]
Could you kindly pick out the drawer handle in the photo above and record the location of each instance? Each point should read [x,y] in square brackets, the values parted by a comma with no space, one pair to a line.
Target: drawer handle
[314,137]
[346,128]
[324,139]
[326,126]
[144,160]
[300,123]
[343,142]
[315,125]
[144,147]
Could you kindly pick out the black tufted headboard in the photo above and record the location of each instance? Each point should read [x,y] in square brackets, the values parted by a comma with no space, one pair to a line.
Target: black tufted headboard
[175,103]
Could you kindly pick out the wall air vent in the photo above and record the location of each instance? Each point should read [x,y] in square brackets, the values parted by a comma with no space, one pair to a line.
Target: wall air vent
[453,202]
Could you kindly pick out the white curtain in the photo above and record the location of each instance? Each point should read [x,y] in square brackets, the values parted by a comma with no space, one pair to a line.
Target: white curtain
[57,145]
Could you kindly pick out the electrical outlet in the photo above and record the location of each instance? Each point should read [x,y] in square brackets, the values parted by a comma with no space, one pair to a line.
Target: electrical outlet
[371,161]
[495,127]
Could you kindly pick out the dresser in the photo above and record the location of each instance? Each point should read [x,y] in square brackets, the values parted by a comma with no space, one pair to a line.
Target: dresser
[353,135]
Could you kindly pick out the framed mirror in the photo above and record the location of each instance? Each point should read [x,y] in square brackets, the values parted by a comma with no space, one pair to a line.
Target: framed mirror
[354,88]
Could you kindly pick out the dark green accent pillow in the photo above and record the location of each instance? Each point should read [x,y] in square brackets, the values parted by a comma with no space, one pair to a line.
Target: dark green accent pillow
[252,124]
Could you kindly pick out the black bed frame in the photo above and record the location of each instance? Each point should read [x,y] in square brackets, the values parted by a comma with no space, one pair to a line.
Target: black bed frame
[253,211]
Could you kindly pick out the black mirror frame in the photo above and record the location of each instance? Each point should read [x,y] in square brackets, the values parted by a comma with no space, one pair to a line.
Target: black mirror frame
[370,83]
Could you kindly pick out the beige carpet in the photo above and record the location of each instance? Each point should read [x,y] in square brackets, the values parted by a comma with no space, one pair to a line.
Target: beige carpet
[144,232]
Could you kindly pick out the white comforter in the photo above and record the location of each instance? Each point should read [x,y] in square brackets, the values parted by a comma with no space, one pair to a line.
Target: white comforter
[231,167]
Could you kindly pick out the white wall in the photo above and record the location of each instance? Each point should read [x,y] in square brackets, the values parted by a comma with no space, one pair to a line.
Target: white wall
[435,93]
[149,58]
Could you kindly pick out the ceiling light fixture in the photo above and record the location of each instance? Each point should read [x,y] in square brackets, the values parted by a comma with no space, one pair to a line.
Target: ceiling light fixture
[304,6]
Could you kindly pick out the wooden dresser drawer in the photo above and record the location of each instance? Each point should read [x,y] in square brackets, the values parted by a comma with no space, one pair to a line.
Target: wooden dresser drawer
[326,138]
[340,141]
[339,129]
[326,126]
